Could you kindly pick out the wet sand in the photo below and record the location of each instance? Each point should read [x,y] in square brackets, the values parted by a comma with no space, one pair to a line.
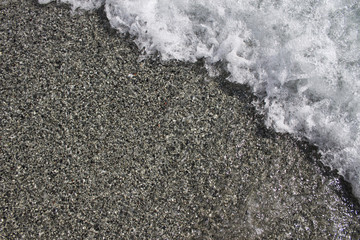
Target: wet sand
[96,144]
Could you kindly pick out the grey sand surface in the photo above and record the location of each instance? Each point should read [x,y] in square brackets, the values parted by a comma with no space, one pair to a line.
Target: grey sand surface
[97,145]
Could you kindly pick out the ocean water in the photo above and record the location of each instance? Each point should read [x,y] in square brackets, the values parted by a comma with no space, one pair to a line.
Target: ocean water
[300,57]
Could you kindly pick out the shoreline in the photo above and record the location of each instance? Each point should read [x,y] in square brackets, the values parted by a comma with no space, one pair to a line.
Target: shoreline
[311,151]
[97,144]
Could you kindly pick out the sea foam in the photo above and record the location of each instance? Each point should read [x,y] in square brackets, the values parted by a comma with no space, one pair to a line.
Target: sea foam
[301,57]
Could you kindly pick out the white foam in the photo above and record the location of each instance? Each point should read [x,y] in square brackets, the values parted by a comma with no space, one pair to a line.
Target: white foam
[302,57]
[45,1]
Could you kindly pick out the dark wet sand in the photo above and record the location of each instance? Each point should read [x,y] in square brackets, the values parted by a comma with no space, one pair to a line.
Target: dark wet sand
[96,145]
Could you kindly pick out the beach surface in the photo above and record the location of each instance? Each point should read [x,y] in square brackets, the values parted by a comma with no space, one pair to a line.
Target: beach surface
[96,144]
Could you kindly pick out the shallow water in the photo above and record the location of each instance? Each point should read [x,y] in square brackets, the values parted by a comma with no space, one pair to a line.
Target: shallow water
[302,58]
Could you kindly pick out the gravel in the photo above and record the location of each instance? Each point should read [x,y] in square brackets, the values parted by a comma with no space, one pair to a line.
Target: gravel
[97,144]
